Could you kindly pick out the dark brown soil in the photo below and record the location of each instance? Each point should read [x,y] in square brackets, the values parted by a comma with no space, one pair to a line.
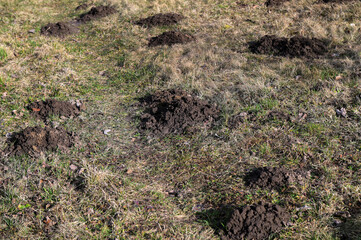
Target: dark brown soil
[44,109]
[82,7]
[275,178]
[34,140]
[293,47]
[272,3]
[173,111]
[256,222]
[60,29]
[97,12]
[170,38]
[160,19]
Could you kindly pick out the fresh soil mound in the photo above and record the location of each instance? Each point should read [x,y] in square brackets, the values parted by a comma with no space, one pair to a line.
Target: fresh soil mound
[97,12]
[34,140]
[274,178]
[170,38]
[44,109]
[272,3]
[173,111]
[294,47]
[256,222]
[60,29]
[160,20]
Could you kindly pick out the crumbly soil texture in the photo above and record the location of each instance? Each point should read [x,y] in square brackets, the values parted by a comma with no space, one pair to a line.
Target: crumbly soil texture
[272,3]
[171,38]
[97,12]
[289,47]
[256,222]
[44,109]
[59,29]
[173,111]
[275,178]
[161,19]
[34,140]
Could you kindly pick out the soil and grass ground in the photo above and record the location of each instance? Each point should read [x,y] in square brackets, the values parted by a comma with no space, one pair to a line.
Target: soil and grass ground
[109,177]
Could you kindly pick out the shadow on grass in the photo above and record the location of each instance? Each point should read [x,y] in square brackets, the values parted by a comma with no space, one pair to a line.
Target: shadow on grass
[216,218]
[351,229]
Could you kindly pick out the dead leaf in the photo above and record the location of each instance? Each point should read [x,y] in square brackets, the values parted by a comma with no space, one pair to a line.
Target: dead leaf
[73,167]
[339,77]
[36,109]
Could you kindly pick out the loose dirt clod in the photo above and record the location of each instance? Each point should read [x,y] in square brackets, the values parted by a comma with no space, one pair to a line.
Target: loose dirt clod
[160,19]
[256,222]
[34,140]
[170,38]
[173,111]
[272,3]
[97,12]
[294,47]
[274,178]
[60,29]
[44,109]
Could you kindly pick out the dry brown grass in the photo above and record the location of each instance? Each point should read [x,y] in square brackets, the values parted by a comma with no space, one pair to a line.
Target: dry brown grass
[130,178]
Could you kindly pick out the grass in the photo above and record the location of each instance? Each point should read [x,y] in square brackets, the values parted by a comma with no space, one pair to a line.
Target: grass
[129,185]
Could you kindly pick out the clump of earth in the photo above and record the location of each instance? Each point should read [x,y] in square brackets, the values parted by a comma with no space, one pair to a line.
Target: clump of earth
[256,222]
[161,19]
[171,38]
[173,111]
[43,109]
[60,29]
[275,178]
[34,140]
[97,12]
[289,47]
[271,3]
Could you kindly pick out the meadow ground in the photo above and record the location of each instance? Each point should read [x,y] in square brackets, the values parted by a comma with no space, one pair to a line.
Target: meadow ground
[122,182]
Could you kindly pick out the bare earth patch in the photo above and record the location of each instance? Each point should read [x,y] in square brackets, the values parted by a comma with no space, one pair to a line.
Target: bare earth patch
[256,222]
[161,19]
[60,29]
[34,140]
[97,12]
[171,38]
[172,111]
[293,47]
[274,178]
[44,109]
[272,3]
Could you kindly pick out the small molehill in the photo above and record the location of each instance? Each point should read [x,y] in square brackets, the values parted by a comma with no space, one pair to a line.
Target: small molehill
[97,12]
[256,222]
[60,29]
[44,109]
[170,38]
[275,178]
[173,111]
[273,3]
[293,47]
[34,140]
[160,19]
